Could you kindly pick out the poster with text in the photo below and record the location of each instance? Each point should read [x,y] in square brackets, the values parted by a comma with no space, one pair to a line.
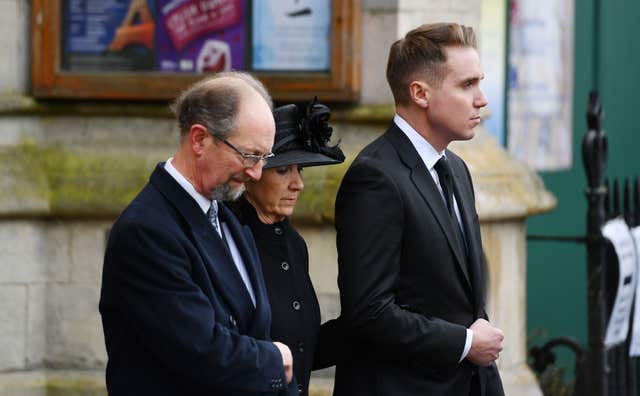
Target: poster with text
[493,37]
[618,233]
[541,83]
[200,36]
[108,35]
[192,36]
[291,35]
[634,346]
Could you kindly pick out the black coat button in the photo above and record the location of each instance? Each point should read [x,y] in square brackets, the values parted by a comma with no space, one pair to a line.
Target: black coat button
[285,266]
[296,305]
[301,346]
[232,320]
[278,230]
[300,388]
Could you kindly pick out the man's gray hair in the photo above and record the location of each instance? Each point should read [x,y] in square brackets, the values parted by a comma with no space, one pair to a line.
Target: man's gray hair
[214,102]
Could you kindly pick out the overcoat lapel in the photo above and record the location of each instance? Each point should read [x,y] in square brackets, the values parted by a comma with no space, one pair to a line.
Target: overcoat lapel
[429,191]
[222,271]
[240,236]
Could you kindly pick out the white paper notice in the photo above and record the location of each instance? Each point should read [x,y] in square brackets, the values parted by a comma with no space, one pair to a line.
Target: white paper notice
[618,233]
[634,349]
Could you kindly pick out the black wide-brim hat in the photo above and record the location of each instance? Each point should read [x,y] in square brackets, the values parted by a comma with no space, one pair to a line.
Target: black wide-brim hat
[302,139]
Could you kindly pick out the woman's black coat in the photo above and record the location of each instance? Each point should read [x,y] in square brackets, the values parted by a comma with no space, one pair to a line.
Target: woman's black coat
[294,304]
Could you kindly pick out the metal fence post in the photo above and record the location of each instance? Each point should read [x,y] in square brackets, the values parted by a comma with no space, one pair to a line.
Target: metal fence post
[594,157]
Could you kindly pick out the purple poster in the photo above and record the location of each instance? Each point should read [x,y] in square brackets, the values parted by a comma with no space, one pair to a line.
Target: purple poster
[200,35]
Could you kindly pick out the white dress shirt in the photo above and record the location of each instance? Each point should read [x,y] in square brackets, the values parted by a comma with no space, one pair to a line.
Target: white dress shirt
[430,156]
[205,204]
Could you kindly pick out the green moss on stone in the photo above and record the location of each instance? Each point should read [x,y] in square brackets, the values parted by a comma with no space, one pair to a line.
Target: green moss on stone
[62,182]
[316,203]
[15,104]
[365,114]
[75,387]
[58,182]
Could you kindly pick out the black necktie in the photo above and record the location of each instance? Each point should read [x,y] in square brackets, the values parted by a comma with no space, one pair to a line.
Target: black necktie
[444,175]
[446,182]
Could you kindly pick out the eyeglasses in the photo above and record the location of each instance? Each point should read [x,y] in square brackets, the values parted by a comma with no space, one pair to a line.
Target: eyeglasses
[248,160]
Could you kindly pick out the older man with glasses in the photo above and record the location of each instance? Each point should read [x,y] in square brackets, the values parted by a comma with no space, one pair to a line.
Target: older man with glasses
[183,302]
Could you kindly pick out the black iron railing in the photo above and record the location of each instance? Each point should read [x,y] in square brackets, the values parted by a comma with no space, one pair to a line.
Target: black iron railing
[599,371]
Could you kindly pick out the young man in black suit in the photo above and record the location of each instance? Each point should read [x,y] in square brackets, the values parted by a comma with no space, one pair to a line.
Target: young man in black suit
[183,302]
[409,247]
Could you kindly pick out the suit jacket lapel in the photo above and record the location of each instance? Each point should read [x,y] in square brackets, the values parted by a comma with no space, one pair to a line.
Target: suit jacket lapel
[223,273]
[427,188]
[466,207]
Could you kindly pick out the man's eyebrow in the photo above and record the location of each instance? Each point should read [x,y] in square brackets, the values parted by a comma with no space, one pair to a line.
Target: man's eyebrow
[472,79]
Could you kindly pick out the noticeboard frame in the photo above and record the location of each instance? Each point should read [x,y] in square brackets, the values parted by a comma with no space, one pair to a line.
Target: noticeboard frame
[341,83]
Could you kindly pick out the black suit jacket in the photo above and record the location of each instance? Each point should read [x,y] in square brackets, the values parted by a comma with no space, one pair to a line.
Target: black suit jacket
[177,317]
[408,291]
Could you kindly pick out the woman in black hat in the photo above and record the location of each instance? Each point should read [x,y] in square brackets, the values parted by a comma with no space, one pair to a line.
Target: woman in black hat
[300,141]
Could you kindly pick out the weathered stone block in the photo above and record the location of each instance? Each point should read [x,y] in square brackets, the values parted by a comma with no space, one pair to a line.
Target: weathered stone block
[23,383]
[15,33]
[14,130]
[23,183]
[55,251]
[504,244]
[113,134]
[53,383]
[88,242]
[380,5]
[421,5]
[329,305]
[320,386]
[13,326]
[409,18]
[323,257]
[32,252]
[74,336]
[76,383]
[379,30]
[56,181]
[36,339]
[473,6]
[19,242]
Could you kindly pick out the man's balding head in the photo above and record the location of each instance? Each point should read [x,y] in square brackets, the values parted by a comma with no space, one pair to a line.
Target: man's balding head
[215,102]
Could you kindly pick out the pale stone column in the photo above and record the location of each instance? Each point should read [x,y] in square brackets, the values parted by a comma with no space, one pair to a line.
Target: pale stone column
[15,35]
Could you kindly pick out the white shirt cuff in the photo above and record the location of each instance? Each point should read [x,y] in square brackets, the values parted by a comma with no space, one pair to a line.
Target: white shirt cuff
[467,345]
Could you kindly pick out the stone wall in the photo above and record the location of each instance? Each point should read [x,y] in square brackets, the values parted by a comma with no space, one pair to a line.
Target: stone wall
[70,167]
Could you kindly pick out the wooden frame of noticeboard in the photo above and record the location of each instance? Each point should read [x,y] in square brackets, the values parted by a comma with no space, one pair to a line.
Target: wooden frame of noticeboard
[340,82]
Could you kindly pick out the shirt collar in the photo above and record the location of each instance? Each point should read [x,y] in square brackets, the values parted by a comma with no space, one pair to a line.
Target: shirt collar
[425,150]
[203,202]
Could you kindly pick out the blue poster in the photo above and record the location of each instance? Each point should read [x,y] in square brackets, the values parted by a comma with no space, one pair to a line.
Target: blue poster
[110,35]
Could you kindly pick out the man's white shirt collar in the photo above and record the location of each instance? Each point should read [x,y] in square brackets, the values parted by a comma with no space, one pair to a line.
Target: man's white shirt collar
[425,150]
[203,202]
